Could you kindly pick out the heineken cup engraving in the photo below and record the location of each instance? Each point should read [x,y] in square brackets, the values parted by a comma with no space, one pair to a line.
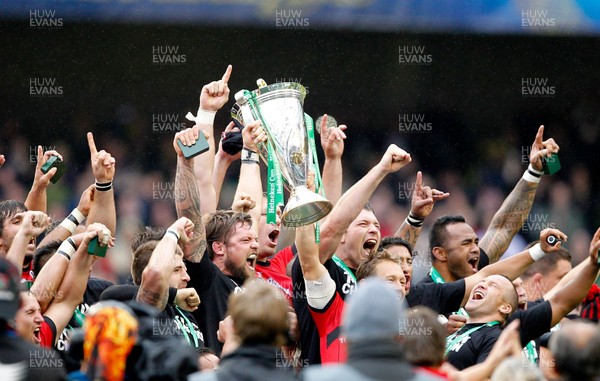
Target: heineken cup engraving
[279,108]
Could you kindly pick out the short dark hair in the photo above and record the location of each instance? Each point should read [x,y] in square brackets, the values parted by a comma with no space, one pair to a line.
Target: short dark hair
[220,226]
[8,208]
[368,207]
[42,255]
[367,267]
[390,241]
[149,233]
[437,235]
[547,263]
[141,257]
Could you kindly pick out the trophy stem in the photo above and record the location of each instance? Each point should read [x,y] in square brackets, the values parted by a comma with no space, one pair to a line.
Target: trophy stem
[304,207]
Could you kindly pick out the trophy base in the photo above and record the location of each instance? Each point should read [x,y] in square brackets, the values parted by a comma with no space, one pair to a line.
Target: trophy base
[304,207]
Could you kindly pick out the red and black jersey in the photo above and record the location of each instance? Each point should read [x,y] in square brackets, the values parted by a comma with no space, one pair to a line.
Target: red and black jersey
[310,337]
[47,333]
[329,321]
[274,272]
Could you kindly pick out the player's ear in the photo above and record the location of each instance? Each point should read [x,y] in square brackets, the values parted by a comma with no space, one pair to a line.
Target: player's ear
[218,248]
[439,253]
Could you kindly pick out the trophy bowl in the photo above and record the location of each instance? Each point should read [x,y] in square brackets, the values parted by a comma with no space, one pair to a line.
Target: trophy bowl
[279,107]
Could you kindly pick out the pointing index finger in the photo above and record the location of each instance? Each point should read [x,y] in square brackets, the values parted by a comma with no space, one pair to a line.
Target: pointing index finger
[419,180]
[91,143]
[227,74]
[539,137]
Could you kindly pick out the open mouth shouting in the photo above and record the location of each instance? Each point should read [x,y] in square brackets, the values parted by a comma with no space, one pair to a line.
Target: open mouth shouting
[473,263]
[36,335]
[273,236]
[369,246]
[251,261]
[407,285]
[479,293]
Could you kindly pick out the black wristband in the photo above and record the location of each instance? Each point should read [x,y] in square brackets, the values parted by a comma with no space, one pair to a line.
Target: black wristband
[103,187]
[414,221]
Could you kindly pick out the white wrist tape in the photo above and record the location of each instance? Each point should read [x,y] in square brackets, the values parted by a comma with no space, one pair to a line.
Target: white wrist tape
[66,249]
[532,175]
[250,156]
[203,117]
[73,220]
[171,233]
[536,252]
[536,171]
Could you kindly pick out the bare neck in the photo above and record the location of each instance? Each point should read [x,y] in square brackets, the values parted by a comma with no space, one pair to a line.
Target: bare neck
[442,269]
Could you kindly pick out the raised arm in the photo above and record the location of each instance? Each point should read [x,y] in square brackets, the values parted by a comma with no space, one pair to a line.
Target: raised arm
[75,218]
[36,199]
[421,205]
[70,293]
[250,182]
[515,265]
[509,219]
[569,296]
[222,162]
[187,198]
[353,200]
[103,167]
[332,141]
[213,96]
[32,224]
[154,288]
[47,282]
[308,253]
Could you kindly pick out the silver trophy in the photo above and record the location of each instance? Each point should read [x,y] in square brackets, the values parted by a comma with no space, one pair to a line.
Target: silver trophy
[279,108]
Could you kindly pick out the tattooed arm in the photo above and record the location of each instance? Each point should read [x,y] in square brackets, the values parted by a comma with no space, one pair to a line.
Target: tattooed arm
[423,200]
[509,219]
[154,288]
[187,198]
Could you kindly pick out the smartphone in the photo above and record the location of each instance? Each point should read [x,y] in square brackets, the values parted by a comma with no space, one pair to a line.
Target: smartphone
[94,248]
[551,164]
[200,146]
[54,162]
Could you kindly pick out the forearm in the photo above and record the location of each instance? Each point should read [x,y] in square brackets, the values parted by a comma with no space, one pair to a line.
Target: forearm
[187,203]
[250,184]
[36,198]
[346,210]
[16,253]
[71,291]
[154,288]
[508,220]
[218,176]
[59,233]
[103,210]
[204,177]
[203,171]
[408,233]
[567,298]
[308,253]
[566,279]
[49,279]
[333,179]
[511,267]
